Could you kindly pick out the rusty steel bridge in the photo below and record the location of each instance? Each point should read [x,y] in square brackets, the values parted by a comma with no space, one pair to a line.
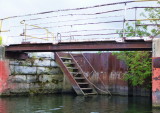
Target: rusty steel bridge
[81,46]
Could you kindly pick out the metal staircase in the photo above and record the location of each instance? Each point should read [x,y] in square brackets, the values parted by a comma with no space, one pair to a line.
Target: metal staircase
[74,73]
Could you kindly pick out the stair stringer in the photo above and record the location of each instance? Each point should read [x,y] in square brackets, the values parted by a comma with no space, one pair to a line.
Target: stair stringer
[80,69]
[69,75]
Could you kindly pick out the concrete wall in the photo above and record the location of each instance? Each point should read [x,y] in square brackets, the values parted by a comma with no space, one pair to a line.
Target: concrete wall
[39,74]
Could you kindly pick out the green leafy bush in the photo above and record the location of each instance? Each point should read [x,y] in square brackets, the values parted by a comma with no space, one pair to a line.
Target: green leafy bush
[138,65]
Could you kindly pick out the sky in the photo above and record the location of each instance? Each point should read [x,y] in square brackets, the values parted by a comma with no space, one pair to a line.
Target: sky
[18,7]
[22,7]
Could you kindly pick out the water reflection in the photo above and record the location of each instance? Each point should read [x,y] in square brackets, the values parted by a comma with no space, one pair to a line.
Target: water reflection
[75,104]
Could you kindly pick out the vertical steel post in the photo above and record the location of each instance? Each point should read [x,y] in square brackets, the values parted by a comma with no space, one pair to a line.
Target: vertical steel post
[25,29]
[124,21]
[135,22]
[71,34]
[58,37]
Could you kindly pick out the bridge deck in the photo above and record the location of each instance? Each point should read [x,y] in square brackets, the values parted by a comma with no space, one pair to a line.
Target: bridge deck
[81,46]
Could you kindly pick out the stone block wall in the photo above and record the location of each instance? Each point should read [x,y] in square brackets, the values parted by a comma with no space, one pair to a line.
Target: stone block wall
[39,74]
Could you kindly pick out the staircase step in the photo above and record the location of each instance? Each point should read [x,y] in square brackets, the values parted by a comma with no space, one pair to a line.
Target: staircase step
[72,68]
[68,62]
[82,83]
[86,88]
[66,58]
[79,78]
[75,73]
[91,93]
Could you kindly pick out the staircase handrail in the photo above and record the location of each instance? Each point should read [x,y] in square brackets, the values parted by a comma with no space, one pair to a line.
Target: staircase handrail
[68,71]
[95,72]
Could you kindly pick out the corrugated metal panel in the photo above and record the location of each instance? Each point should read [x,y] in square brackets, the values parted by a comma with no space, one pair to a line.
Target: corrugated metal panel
[108,68]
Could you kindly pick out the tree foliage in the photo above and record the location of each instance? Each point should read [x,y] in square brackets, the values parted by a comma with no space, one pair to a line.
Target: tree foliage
[0,40]
[153,16]
[138,65]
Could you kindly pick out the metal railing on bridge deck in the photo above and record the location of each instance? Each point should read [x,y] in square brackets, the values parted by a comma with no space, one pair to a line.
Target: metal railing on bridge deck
[105,22]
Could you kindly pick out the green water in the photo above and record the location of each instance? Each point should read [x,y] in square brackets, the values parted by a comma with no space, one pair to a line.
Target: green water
[75,104]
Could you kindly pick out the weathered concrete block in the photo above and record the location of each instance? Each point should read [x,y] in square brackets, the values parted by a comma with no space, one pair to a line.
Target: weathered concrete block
[46,78]
[67,87]
[37,88]
[54,64]
[50,78]
[48,71]
[34,85]
[43,70]
[18,79]
[20,88]
[32,78]
[20,70]
[52,88]
[20,63]
[48,55]
[43,63]
[24,63]
[12,70]
[49,86]
[13,62]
